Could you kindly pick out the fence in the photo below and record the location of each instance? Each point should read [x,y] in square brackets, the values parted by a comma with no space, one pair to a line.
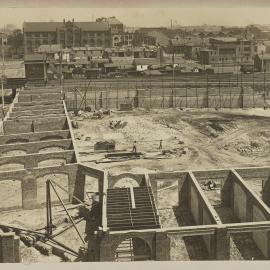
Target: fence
[217,95]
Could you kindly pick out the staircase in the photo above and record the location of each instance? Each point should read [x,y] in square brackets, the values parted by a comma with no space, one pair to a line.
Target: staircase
[127,211]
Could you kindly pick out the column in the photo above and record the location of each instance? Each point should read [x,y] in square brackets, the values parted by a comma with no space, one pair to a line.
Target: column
[163,247]
[29,192]
[222,244]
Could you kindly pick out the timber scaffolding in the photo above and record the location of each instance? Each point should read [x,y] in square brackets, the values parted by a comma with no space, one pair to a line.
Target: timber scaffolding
[38,119]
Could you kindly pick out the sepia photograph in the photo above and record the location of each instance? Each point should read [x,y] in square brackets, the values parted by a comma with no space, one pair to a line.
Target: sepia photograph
[134,132]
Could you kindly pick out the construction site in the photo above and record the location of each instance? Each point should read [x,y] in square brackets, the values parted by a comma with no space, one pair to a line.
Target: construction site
[162,175]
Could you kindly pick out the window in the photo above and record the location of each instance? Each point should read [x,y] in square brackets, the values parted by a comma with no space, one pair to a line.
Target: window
[99,42]
[92,42]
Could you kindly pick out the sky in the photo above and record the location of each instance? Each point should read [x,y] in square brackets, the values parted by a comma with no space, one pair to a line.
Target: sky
[139,17]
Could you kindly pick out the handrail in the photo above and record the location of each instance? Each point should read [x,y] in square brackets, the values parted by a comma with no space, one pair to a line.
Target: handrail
[129,205]
[154,210]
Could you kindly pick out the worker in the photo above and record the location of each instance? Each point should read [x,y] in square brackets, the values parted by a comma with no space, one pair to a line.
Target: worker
[160,144]
[134,149]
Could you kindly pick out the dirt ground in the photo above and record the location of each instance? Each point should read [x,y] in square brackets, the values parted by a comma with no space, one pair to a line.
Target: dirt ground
[191,140]
[212,139]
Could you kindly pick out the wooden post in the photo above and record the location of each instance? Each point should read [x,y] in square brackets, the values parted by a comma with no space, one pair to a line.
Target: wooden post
[117,96]
[197,101]
[95,98]
[207,94]
[253,93]
[71,219]
[163,98]
[150,98]
[230,94]
[76,101]
[219,92]
[49,209]
[186,98]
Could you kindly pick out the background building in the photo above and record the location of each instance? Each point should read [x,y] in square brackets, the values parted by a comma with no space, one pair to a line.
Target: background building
[67,33]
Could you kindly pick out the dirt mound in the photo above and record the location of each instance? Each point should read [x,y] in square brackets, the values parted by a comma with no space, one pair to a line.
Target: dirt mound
[246,145]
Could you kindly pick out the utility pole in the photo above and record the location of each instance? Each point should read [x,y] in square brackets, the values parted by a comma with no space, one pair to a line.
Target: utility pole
[173,75]
[3,69]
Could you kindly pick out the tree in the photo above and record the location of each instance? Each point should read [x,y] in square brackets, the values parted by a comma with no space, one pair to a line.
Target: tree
[15,40]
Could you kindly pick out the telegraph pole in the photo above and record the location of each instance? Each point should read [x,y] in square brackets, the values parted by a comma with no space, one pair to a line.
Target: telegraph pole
[3,70]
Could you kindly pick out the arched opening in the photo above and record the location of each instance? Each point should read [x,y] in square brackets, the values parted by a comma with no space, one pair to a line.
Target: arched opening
[50,149]
[11,167]
[14,153]
[51,137]
[132,249]
[126,182]
[61,179]
[18,140]
[52,162]
[10,194]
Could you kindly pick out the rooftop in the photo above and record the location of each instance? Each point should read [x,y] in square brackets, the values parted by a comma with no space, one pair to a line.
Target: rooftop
[265,56]
[122,60]
[52,26]
[146,61]
[224,39]
[34,57]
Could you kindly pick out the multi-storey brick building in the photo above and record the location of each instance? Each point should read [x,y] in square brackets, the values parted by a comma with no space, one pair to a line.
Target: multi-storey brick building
[228,51]
[117,29]
[67,33]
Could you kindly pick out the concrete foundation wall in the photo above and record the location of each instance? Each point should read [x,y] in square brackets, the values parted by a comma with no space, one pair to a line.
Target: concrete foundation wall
[35,112]
[158,243]
[34,137]
[194,205]
[35,147]
[249,208]
[9,248]
[28,179]
[261,238]
[39,97]
[33,160]
[37,125]
[37,107]
[239,203]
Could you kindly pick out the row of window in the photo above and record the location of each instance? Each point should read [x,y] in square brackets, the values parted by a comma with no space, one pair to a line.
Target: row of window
[229,59]
[84,34]
[91,43]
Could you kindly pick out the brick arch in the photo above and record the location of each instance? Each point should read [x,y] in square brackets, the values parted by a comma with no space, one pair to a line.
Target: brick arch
[11,193]
[61,178]
[148,238]
[12,152]
[12,164]
[51,137]
[115,178]
[44,148]
[56,161]
[17,140]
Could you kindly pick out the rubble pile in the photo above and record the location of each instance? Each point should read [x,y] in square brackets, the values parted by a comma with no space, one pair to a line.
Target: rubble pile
[116,124]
